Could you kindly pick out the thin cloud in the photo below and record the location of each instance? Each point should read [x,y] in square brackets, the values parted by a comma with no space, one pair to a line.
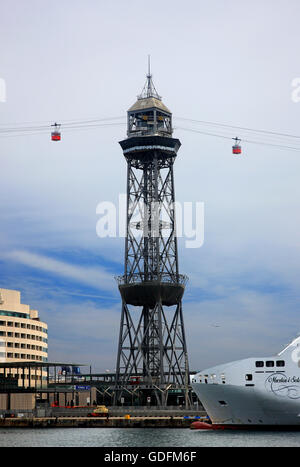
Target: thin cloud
[98,277]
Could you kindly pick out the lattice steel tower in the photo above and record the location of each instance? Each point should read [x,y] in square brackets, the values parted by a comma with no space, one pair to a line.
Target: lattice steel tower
[152,357]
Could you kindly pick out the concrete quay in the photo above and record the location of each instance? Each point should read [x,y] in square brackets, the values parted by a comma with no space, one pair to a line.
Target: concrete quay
[98,422]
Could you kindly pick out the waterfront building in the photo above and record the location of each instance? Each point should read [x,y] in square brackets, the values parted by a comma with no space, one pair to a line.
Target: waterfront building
[23,336]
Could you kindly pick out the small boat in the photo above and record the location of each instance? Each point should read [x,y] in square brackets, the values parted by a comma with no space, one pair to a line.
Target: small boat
[201,426]
[204,423]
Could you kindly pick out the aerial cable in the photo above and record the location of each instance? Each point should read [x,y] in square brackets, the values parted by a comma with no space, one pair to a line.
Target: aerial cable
[24,125]
[41,129]
[80,124]
[280,146]
[273,133]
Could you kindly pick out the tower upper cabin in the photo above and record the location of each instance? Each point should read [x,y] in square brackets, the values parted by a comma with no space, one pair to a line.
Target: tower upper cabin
[149,116]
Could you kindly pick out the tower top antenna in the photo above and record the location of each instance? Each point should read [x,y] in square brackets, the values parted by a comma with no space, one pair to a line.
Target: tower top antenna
[149,88]
[149,68]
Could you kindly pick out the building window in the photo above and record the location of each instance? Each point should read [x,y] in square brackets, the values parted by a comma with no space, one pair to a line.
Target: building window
[259,364]
[15,314]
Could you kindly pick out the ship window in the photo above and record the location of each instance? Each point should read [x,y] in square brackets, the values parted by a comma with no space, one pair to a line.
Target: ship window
[248,377]
[269,363]
[259,364]
[280,363]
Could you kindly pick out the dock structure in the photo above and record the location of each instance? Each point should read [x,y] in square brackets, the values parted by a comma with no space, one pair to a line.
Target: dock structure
[86,422]
[66,387]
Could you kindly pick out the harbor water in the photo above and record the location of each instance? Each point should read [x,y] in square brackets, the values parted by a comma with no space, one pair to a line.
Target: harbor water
[140,437]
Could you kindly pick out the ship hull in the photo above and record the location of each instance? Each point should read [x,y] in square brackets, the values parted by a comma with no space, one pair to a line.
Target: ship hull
[245,406]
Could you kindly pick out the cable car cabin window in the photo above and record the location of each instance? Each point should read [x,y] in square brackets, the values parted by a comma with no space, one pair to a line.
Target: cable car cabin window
[269,363]
[248,377]
[259,364]
[280,363]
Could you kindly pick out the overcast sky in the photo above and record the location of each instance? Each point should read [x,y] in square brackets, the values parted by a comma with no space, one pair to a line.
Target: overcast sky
[222,61]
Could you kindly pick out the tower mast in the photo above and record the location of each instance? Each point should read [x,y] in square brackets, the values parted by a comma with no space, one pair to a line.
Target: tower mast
[152,360]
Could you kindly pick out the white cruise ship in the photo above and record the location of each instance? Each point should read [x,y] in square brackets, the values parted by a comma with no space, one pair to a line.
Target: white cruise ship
[253,392]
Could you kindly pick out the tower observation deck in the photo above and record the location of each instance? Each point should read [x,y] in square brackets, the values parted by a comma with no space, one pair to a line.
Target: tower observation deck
[152,360]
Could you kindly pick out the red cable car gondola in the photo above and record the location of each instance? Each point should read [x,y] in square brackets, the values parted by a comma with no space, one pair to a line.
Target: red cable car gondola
[55,134]
[236,148]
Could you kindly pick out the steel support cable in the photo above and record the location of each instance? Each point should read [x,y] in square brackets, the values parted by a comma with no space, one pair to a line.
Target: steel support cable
[71,123]
[98,122]
[280,146]
[44,130]
[273,133]
[64,124]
